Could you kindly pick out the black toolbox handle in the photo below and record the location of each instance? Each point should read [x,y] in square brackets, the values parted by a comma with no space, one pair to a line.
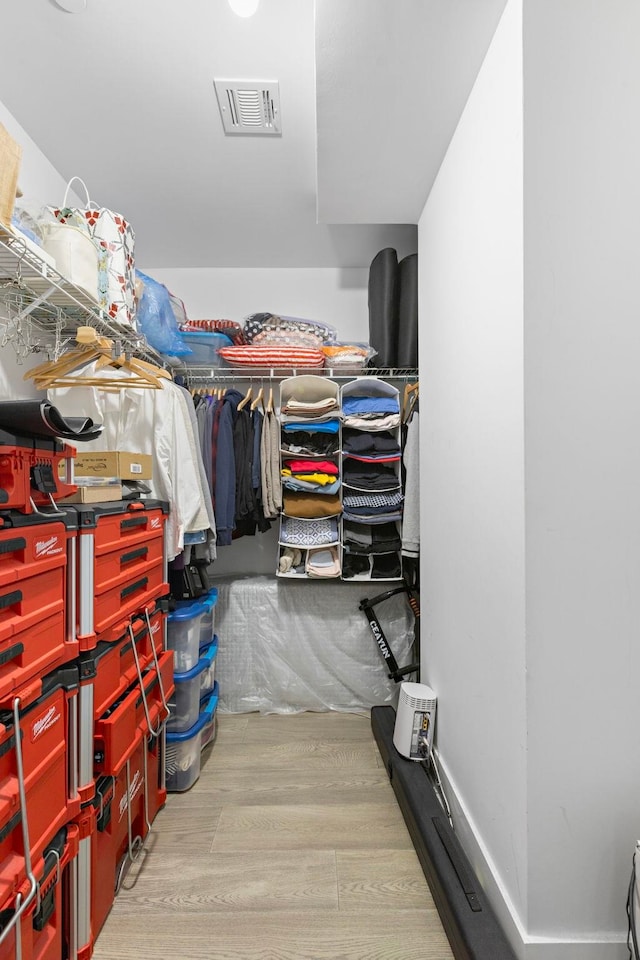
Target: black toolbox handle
[133,522]
[134,554]
[133,587]
[12,546]
[10,598]
[11,653]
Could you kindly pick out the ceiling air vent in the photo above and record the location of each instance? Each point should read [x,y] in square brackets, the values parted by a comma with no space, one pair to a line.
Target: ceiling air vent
[249,106]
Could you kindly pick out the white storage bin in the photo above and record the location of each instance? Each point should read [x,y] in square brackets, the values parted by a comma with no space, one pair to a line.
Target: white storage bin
[182,757]
[184,703]
[210,729]
[183,634]
[208,675]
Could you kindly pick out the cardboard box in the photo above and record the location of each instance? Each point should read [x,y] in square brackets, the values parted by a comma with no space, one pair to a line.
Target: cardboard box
[95,494]
[127,466]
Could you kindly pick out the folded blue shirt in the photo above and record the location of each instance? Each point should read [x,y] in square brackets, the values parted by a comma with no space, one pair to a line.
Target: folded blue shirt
[326,426]
[352,406]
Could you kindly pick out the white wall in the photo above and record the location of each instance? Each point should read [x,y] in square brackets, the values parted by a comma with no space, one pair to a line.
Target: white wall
[539,719]
[334,296]
[40,181]
[329,295]
[582,394]
[472,463]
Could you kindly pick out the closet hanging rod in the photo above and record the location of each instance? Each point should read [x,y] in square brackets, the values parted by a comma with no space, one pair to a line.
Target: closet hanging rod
[195,375]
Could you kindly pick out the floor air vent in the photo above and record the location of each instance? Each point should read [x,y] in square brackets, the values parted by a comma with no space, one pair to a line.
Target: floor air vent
[249,106]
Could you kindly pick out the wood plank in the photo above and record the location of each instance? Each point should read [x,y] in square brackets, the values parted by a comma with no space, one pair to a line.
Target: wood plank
[253,880]
[281,935]
[390,879]
[249,785]
[300,754]
[319,827]
[183,829]
[309,726]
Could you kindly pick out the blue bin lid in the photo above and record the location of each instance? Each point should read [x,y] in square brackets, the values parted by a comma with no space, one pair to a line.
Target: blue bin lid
[210,599]
[208,655]
[207,710]
[191,609]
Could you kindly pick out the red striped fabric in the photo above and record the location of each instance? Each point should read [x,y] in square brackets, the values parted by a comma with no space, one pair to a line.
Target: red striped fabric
[272,356]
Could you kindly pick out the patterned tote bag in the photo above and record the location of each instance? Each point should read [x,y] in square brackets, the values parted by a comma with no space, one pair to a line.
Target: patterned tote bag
[115,240]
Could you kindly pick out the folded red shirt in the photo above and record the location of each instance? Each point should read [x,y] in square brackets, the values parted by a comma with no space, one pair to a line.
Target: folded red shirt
[311,466]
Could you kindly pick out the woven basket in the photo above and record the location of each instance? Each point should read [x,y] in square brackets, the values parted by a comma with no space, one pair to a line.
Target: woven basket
[10,157]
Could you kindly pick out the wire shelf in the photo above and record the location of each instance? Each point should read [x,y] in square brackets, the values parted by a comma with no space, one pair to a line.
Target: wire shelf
[34,291]
[210,374]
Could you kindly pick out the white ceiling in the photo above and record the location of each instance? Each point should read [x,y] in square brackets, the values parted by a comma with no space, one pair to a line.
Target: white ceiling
[123,96]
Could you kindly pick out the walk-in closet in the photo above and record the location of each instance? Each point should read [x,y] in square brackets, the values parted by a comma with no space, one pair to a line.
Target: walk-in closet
[319,573]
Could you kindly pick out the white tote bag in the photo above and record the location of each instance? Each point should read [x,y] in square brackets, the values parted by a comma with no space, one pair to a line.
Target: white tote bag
[115,239]
[75,254]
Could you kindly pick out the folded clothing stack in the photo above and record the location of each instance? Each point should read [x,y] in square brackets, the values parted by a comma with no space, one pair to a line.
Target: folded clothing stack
[371,413]
[365,539]
[313,476]
[373,507]
[367,476]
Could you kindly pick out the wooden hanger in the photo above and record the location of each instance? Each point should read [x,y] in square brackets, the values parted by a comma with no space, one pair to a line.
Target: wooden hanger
[270,401]
[411,393]
[91,346]
[258,399]
[245,399]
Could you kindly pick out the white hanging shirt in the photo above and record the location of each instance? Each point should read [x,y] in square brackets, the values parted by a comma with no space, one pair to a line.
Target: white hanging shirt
[149,421]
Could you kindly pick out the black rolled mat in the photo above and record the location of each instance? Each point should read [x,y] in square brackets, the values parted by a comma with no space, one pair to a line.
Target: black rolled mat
[467,917]
[39,418]
[407,354]
[383,307]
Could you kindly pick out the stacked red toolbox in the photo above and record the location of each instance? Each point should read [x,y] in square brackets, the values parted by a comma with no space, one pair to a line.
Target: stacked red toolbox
[47,926]
[39,687]
[37,571]
[126,677]
[34,471]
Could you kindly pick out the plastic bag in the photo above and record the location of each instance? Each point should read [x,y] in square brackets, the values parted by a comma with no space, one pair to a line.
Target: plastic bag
[157,321]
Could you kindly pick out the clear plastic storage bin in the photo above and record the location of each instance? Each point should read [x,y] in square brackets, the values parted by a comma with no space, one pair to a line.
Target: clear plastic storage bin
[208,675]
[208,622]
[184,703]
[204,346]
[182,758]
[183,634]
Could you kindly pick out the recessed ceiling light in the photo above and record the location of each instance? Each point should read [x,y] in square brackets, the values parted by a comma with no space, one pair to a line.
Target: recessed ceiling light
[244,8]
[71,6]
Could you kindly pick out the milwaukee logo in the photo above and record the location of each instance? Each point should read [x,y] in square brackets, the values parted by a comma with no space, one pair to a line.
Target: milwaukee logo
[155,627]
[155,523]
[377,633]
[134,788]
[45,548]
[45,722]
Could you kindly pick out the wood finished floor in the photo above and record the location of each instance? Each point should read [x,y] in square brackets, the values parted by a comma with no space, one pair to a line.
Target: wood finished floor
[291,846]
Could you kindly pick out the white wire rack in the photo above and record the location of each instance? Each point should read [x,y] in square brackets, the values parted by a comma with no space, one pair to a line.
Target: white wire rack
[34,294]
[209,374]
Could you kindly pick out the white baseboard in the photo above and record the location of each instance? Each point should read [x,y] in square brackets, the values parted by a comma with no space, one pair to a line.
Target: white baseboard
[525,946]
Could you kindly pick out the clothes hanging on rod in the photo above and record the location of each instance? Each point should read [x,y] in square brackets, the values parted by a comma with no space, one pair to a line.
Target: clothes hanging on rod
[230,432]
[155,422]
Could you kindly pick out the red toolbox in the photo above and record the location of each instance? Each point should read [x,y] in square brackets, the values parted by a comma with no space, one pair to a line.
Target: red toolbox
[47,923]
[111,667]
[121,565]
[122,824]
[47,742]
[35,552]
[156,792]
[34,472]
[138,709]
